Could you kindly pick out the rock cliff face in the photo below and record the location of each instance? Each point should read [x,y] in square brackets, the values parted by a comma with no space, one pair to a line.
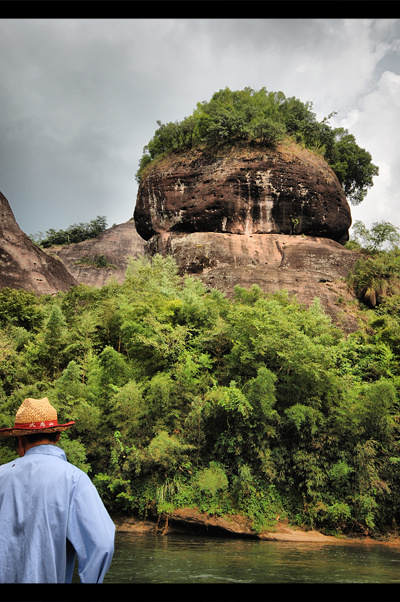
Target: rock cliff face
[22,264]
[307,267]
[276,220]
[286,191]
[116,245]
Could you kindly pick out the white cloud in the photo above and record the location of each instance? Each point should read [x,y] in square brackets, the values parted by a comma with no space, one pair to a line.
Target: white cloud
[375,124]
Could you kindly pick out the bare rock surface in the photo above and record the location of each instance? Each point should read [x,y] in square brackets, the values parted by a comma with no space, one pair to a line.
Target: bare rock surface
[244,191]
[22,264]
[116,244]
[193,521]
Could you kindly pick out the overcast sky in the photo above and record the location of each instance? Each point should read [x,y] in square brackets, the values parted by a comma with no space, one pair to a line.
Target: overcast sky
[79,99]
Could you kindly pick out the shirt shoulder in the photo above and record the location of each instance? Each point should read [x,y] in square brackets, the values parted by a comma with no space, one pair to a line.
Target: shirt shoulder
[43,460]
[6,467]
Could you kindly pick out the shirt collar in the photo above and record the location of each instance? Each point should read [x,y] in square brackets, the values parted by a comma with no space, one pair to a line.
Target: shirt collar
[47,449]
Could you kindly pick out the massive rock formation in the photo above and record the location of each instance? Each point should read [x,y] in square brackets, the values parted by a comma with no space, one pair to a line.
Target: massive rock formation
[275,219]
[116,245]
[25,266]
[286,191]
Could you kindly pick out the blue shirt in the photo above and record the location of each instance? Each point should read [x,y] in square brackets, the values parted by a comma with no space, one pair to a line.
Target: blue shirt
[50,512]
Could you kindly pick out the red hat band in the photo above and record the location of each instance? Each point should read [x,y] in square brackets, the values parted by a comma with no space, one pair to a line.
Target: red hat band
[44,424]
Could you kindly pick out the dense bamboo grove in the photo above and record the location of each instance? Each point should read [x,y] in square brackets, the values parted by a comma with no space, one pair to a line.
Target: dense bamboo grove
[183,397]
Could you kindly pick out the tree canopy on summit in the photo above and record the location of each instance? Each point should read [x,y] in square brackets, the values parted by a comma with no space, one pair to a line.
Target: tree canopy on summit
[261,118]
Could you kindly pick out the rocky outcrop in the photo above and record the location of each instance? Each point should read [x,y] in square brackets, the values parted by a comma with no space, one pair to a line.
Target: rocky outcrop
[276,220]
[22,264]
[192,521]
[289,190]
[116,245]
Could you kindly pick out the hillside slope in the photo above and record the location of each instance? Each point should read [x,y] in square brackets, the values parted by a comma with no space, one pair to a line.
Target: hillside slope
[23,264]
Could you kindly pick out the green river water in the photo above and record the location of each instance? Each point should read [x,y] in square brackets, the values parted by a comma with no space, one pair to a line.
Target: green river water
[184,559]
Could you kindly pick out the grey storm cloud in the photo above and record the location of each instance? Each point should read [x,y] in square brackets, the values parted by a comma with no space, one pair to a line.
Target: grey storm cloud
[80,98]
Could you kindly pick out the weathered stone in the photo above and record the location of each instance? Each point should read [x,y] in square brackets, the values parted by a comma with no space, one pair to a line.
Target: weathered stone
[193,521]
[22,264]
[307,267]
[117,244]
[283,191]
[274,219]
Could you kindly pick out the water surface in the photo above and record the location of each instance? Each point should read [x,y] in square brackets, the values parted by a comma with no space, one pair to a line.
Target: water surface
[155,559]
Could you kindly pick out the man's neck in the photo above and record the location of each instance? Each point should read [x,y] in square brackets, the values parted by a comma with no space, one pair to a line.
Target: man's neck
[23,445]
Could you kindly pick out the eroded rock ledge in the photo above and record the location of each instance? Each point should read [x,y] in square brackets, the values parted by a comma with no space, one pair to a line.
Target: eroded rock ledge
[192,521]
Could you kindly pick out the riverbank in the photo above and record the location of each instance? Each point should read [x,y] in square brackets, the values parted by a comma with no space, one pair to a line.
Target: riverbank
[194,522]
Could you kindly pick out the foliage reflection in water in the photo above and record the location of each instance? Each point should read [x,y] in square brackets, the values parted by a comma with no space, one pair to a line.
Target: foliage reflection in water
[145,558]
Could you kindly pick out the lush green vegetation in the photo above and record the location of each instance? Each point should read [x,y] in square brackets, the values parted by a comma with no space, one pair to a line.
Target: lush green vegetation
[375,277]
[183,397]
[382,235]
[74,233]
[97,261]
[262,119]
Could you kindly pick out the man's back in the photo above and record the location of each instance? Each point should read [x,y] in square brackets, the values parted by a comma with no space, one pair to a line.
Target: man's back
[46,502]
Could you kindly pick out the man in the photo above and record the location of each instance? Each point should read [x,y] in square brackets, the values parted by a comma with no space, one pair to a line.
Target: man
[50,511]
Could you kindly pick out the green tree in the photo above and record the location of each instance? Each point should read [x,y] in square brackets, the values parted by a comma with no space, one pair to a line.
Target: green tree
[114,369]
[374,277]
[382,234]
[44,354]
[353,167]
[73,234]
[20,308]
[261,118]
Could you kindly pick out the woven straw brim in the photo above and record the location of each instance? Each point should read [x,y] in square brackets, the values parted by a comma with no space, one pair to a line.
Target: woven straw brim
[37,413]
[17,432]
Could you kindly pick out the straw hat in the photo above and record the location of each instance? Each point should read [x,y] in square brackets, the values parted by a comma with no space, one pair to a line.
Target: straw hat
[35,416]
